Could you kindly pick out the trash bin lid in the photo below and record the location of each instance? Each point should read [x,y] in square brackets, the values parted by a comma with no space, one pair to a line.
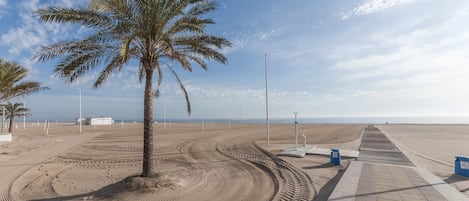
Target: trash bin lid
[335,149]
[461,157]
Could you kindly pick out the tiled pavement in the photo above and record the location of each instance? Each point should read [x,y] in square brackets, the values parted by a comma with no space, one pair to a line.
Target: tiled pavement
[383,173]
[385,182]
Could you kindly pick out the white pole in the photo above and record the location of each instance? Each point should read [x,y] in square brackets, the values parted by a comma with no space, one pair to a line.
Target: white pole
[296,130]
[304,140]
[80,112]
[266,103]
[24,115]
[164,115]
[47,128]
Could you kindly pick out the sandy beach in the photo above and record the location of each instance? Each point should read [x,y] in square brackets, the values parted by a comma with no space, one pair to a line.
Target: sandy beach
[218,162]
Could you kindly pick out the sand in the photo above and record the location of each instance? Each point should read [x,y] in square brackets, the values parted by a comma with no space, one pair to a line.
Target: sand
[433,147]
[219,162]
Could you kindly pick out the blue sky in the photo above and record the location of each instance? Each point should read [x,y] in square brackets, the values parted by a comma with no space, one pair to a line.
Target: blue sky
[330,58]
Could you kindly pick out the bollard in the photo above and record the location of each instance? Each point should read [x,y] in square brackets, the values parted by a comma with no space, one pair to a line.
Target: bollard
[461,166]
[335,156]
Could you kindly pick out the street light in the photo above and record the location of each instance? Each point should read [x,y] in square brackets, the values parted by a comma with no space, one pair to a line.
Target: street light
[267,101]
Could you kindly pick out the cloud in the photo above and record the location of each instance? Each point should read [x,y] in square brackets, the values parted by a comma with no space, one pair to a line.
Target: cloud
[373,6]
[409,62]
[3,5]
[242,40]
[28,36]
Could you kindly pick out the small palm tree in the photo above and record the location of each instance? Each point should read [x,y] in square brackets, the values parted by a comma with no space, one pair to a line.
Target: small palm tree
[15,110]
[11,81]
[152,32]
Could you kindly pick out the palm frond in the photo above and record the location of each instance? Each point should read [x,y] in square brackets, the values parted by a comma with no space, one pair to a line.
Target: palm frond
[88,18]
[16,110]
[202,7]
[115,64]
[183,89]
[12,84]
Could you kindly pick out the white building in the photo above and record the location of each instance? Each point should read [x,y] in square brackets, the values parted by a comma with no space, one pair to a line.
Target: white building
[96,121]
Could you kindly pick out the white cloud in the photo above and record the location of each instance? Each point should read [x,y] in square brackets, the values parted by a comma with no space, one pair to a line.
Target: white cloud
[415,67]
[373,6]
[242,40]
[31,33]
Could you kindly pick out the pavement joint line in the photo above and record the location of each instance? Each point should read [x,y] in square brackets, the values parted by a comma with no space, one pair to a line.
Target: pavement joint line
[350,181]
[370,179]
[442,187]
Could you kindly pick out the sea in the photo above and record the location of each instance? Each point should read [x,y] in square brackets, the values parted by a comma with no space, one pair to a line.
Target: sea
[331,120]
[303,120]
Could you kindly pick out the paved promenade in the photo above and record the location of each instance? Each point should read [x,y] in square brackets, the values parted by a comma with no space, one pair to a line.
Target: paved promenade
[384,173]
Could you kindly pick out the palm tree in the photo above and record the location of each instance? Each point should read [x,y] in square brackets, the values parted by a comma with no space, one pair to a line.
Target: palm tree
[15,110]
[152,32]
[11,84]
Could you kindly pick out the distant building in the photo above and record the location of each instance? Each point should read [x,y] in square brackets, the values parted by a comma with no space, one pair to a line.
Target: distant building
[77,121]
[95,121]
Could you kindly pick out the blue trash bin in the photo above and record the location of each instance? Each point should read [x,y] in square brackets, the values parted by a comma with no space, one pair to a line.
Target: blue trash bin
[461,166]
[335,156]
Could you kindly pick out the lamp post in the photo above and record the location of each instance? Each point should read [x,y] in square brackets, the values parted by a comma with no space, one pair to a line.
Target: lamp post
[267,101]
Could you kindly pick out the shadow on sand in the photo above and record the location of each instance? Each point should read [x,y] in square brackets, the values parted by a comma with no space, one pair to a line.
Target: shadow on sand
[104,192]
[325,165]
[327,189]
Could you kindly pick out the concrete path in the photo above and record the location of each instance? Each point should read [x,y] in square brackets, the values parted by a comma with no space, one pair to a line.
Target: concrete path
[12,169]
[384,173]
[376,147]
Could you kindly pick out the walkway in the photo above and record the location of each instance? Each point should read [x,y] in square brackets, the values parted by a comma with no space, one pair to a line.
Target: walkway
[384,173]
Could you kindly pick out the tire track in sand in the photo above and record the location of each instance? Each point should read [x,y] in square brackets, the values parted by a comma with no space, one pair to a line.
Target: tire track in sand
[291,183]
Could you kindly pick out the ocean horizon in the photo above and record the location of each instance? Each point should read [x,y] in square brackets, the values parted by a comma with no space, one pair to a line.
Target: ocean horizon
[331,120]
[306,120]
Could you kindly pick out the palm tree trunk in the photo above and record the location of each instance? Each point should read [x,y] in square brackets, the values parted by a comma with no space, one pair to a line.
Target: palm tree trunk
[148,125]
[10,128]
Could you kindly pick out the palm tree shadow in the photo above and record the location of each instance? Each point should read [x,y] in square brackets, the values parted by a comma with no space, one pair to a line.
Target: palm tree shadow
[104,192]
